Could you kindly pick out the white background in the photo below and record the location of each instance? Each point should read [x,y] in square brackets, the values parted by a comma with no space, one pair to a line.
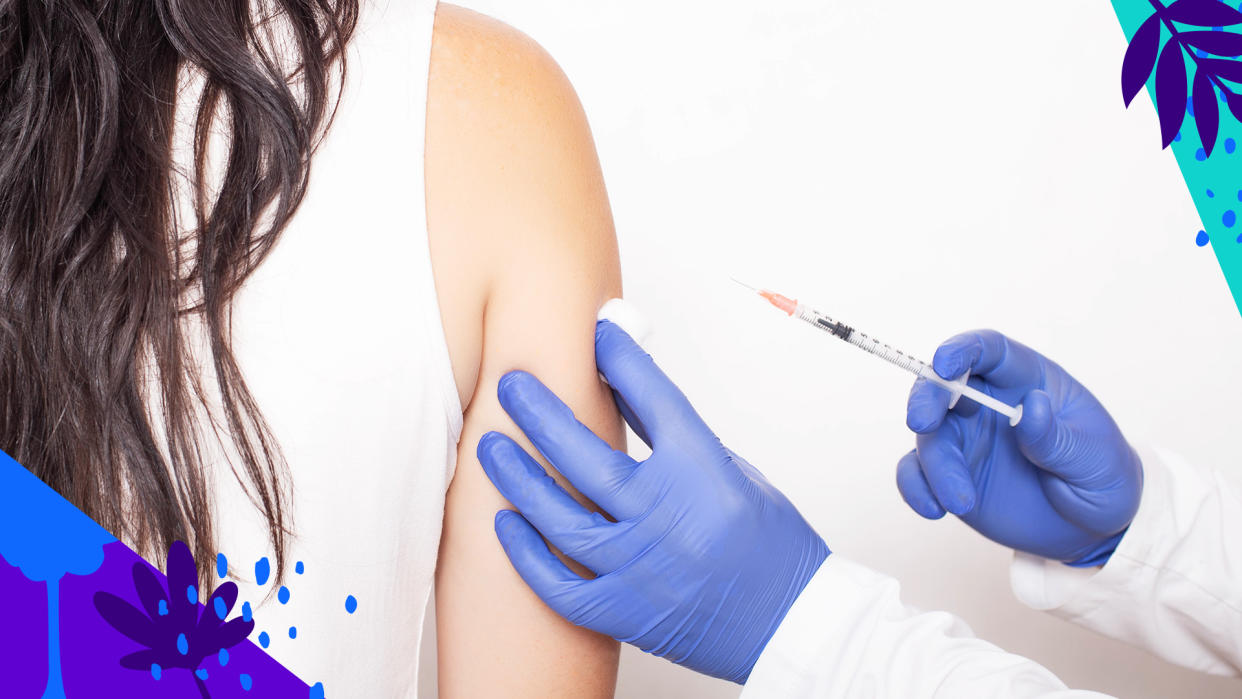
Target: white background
[915,169]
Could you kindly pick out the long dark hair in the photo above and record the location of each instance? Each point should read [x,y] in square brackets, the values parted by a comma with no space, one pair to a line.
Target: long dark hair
[98,272]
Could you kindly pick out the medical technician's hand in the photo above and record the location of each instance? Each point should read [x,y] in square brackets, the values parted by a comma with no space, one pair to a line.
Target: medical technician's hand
[1064,484]
[699,558]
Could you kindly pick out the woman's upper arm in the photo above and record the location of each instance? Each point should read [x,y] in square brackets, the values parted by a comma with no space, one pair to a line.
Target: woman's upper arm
[524,254]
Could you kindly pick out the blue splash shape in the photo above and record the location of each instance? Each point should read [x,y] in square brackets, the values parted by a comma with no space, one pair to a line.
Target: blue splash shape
[222,565]
[1229,218]
[316,691]
[223,657]
[351,604]
[1201,239]
[163,610]
[264,639]
[1230,145]
[283,595]
[1200,155]
[293,632]
[246,682]
[191,593]
[1177,137]
[183,646]
[262,569]
[156,671]
[1211,194]
[221,610]
[247,613]
[1240,195]
[201,673]
[299,568]
[47,538]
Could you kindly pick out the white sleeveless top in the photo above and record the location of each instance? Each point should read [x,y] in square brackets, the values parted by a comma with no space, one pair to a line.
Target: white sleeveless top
[338,335]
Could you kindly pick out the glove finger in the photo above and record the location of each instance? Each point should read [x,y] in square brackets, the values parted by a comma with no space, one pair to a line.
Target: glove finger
[944,467]
[563,590]
[630,418]
[595,468]
[989,354]
[926,407]
[915,489]
[654,399]
[576,531]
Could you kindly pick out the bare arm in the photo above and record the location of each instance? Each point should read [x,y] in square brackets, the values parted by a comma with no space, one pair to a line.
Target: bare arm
[524,253]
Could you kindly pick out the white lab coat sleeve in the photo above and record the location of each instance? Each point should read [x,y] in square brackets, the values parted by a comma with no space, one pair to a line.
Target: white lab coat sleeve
[1174,584]
[849,635]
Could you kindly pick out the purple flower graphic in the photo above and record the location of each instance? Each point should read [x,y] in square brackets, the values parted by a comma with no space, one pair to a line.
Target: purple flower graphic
[170,626]
[1210,49]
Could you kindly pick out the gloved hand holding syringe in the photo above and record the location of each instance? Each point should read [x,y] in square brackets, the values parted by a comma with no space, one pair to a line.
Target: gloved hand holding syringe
[957,387]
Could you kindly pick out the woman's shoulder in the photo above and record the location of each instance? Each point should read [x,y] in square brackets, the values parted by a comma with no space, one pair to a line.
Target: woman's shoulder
[514,191]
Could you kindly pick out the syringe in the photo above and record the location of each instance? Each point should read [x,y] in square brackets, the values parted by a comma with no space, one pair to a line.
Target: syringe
[957,387]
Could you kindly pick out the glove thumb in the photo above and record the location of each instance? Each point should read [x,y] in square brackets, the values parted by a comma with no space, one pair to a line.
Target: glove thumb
[1044,438]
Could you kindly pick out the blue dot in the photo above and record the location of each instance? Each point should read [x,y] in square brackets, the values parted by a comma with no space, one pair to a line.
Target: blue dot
[1201,239]
[316,692]
[246,682]
[1190,106]
[191,593]
[1178,137]
[222,565]
[1211,194]
[293,632]
[351,604]
[1230,145]
[183,646]
[1229,218]
[262,569]
[223,656]
[201,673]
[246,612]
[163,608]
[1200,155]
[156,671]
[283,595]
[221,609]
[299,568]
[264,639]
[1240,195]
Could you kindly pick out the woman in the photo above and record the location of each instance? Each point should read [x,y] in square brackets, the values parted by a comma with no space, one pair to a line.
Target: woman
[208,335]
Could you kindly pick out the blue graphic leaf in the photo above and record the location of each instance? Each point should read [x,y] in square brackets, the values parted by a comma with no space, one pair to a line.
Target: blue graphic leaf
[1203,13]
[125,617]
[1171,91]
[1140,58]
[1217,43]
[1221,68]
[1207,110]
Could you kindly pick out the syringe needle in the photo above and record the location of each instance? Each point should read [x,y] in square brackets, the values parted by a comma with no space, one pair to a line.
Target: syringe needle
[748,286]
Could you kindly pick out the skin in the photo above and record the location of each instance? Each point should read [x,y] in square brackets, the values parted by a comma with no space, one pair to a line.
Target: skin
[524,253]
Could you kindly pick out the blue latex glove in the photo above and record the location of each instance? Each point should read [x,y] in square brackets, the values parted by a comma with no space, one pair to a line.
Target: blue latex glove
[1064,484]
[699,558]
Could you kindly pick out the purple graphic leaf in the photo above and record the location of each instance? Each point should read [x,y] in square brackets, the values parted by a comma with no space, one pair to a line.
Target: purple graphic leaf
[1221,68]
[141,660]
[1203,13]
[209,619]
[1171,91]
[1235,104]
[1140,58]
[126,618]
[233,632]
[1217,43]
[181,575]
[1207,110]
[149,589]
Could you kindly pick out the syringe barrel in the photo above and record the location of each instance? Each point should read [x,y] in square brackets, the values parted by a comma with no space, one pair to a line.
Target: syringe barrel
[860,340]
